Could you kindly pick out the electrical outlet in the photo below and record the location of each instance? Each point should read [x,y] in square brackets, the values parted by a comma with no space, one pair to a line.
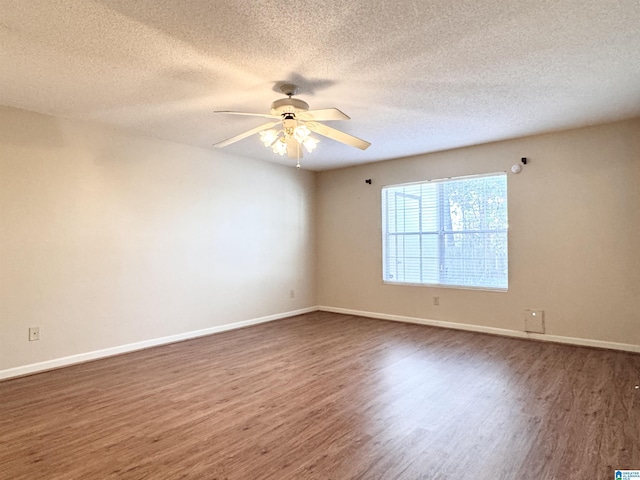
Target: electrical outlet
[436,300]
[34,334]
[292,293]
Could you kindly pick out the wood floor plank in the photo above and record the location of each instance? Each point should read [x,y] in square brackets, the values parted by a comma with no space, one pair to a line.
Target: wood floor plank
[329,396]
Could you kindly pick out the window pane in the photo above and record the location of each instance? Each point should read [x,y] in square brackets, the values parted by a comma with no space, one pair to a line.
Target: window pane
[430,258]
[451,232]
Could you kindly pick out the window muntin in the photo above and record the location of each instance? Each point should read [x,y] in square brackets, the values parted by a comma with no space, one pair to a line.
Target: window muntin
[447,232]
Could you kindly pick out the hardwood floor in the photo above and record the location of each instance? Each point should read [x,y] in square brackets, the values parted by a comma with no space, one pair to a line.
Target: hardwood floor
[328,396]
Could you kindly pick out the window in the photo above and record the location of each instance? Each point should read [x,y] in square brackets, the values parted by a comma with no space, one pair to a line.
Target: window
[446,232]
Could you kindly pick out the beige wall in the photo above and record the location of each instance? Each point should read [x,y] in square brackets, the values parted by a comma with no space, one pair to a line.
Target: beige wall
[574,235]
[108,239]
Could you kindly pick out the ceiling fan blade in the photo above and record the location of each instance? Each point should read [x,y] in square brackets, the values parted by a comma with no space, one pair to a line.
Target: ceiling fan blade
[294,149]
[338,136]
[246,134]
[265,115]
[323,115]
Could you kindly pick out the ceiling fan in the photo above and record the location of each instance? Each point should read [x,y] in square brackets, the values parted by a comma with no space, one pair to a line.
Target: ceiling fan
[292,126]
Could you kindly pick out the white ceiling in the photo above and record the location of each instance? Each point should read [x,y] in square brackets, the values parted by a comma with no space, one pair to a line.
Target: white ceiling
[415,76]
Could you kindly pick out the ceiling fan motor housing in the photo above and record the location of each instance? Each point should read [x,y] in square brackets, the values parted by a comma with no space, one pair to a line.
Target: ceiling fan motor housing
[288,105]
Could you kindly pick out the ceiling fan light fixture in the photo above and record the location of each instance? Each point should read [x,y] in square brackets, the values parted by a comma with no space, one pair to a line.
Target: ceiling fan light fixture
[301,133]
[277,140]
[280,146]
[310,143]
[268,137]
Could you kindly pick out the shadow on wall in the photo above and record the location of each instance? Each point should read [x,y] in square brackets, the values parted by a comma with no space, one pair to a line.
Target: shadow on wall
[17,127]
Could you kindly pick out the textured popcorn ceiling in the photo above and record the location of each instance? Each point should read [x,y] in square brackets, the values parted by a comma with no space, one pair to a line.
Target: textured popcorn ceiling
[415,76]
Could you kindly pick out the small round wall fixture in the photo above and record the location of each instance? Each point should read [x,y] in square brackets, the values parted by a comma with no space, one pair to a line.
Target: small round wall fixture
[515,168]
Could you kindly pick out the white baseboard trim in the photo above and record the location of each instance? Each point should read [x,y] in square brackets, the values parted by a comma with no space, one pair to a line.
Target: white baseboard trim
[108,352]
[583,342]
[131,347]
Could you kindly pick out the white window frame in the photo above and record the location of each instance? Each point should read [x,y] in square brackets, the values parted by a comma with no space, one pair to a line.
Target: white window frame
[500,283]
